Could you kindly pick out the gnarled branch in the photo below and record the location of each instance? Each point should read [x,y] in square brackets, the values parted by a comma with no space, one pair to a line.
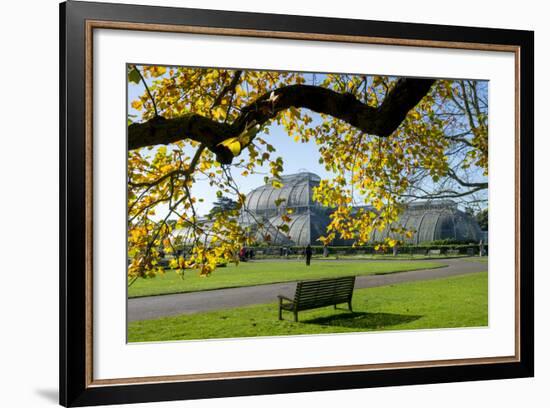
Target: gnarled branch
[380,121]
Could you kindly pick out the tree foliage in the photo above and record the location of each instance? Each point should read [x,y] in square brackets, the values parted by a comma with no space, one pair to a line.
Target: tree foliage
[482,218]
[223,204]
[383,138]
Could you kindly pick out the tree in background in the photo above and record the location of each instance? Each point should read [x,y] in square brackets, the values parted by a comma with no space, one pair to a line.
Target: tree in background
[386,140]
[223,205]
[482,218]
[465,116]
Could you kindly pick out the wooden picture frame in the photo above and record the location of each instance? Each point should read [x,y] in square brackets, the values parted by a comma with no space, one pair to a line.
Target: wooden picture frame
[78,20]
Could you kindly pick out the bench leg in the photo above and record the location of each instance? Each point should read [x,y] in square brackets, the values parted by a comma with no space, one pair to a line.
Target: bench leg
[296,316]
[280,309]
[349,305]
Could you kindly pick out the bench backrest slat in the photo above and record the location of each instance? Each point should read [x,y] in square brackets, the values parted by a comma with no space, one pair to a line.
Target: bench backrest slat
[324,292]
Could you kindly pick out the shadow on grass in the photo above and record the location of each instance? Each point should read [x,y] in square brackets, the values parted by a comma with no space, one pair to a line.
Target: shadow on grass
[363,320]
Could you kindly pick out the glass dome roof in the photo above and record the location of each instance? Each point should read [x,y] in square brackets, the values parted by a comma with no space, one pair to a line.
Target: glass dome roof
[435,221]
[296,193]
[430,221]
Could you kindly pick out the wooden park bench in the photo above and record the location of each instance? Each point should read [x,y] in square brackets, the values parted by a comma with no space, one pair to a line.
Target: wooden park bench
[312,294]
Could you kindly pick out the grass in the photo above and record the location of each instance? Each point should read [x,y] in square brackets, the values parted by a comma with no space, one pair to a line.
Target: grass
[256,273]
[459,301]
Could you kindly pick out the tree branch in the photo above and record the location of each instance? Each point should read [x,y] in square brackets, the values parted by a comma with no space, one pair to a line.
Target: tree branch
[463,183]
[381,121]
[177,172]
[148,91]
[443,194]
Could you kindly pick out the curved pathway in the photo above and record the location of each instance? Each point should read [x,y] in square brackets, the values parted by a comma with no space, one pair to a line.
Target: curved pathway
[153,307]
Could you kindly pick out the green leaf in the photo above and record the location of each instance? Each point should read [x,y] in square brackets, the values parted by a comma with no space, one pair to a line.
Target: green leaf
[284,228]
[133,76]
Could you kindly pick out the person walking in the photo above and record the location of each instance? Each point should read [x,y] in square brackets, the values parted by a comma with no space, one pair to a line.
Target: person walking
[308,253]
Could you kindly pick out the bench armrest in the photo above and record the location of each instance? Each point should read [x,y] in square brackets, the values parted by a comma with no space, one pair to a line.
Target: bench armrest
[281,297]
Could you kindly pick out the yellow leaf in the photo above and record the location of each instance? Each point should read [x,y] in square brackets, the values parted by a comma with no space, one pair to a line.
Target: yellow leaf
[136,105]
[232,144]
[294,111]
[157,71]
[240,91]
[415,115]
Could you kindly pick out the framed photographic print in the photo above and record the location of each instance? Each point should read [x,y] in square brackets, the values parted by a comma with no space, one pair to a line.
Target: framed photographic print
[256,204]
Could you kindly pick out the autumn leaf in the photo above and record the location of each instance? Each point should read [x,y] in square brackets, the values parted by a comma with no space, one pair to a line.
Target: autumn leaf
[286,218]
[157,71]
[233,144]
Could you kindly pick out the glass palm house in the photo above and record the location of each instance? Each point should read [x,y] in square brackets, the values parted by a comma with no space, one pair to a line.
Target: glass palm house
[430,221]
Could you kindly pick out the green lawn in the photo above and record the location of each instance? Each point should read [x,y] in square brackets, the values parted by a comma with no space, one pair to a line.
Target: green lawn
[255,273]
[459,301]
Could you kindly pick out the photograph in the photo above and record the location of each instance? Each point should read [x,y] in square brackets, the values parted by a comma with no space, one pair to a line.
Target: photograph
[267,203]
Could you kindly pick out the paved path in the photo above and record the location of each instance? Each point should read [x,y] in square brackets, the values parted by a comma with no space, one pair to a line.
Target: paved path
[153,307]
